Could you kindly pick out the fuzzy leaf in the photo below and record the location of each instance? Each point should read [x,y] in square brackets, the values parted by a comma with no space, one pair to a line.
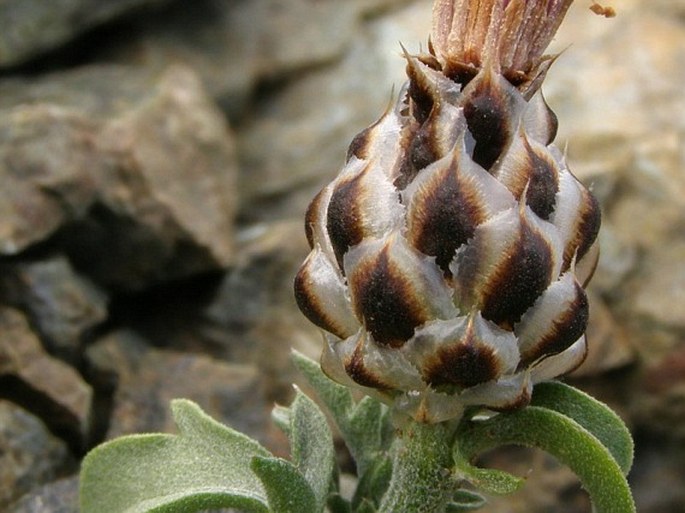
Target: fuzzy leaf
[563,438]
[286,488]
[593,415]
[207,465]
[370,420]
[363,425]
[313,452]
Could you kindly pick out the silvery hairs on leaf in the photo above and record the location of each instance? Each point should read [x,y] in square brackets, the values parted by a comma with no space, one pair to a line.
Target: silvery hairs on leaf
[449,256]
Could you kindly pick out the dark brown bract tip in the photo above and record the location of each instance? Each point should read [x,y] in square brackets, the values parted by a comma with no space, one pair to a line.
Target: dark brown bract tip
[464,363]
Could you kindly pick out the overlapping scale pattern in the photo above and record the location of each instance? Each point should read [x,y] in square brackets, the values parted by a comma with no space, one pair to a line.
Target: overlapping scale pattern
[444,255]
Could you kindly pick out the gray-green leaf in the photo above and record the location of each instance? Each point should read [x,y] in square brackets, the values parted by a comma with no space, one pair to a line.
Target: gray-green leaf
[313,452]
[286,488]
[207,465]
[593,415]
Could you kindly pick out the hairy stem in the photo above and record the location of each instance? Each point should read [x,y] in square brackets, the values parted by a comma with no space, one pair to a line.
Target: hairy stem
[422,480]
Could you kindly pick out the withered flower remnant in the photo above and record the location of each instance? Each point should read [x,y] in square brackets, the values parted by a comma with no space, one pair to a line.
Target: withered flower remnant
[449,256]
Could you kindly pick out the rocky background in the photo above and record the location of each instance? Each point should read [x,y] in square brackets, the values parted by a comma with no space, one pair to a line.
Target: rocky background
[156,158]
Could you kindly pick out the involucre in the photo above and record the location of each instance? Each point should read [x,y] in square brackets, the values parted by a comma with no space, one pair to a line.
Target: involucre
[448,257]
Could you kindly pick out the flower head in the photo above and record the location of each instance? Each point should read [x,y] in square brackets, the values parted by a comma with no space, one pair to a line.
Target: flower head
[448,257]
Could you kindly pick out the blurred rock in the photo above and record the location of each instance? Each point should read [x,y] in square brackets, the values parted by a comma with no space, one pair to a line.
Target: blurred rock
[306,126]
[670,7]
[167,203]
[661,396]
[270,253]
[62,305]
[29,453]
[30,27]
[157,163]
[658,475]
[370,8]
[60,496]
[40,383]
[608,344]
[241,315]
[255,299]
[46,153]
[147,379]
[658,293]
[614,121]
[618,260]
[235,45]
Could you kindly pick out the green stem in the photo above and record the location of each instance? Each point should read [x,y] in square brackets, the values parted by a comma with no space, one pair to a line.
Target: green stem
[422,481]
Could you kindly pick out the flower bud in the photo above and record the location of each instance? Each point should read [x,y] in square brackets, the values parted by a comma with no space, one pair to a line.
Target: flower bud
[449,255]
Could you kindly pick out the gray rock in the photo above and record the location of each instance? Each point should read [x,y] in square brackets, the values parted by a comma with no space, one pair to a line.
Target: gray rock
[658,476]
[622,129]
[619,259]
[29,454]
[31,27]
[624,132]
[609,345]
[234,45]
[59,496]
[255,304]
[45,154]
[241,315]
[305,128]
[660,401]
[147,158]
[658,293]
[616,123]
[168,202]
[40,383]
[374,8]
[62,305]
